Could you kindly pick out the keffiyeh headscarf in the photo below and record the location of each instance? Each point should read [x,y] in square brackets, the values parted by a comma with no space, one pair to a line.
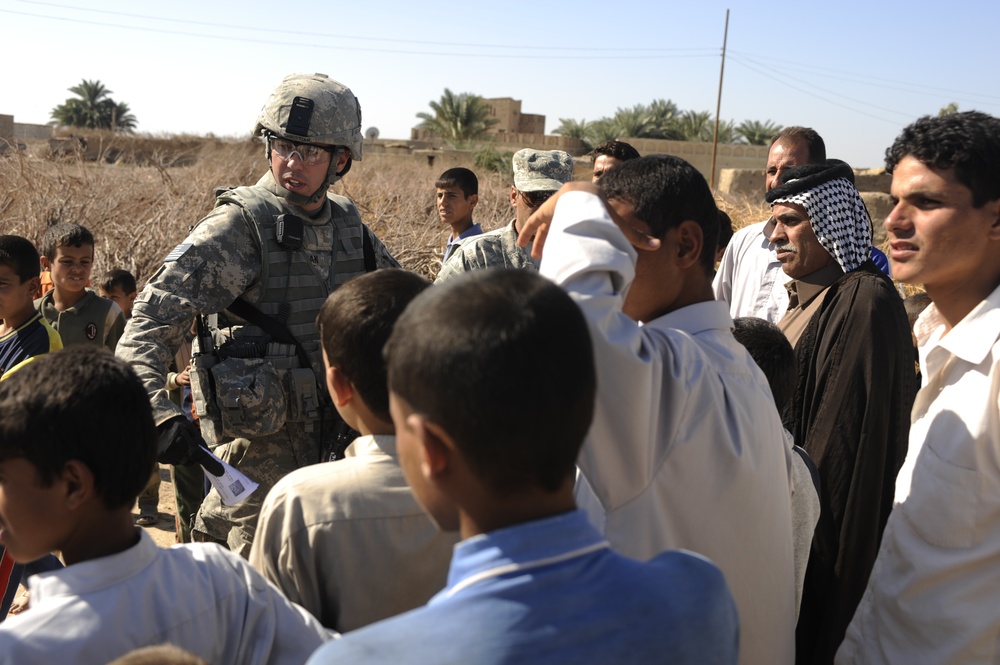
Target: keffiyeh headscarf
[837,214]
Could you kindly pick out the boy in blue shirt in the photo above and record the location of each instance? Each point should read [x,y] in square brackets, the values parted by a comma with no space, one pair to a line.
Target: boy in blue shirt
[492,381]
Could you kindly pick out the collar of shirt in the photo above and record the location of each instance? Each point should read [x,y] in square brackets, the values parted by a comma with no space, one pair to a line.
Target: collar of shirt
[372,444]
[808,287]
[970,340]
[519,547]
[48,303]
[697,318]
[89,576]
[765,239]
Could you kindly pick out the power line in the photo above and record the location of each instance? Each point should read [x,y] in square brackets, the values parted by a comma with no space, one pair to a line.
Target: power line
[742,63]
[885,83]
[651,51]
[786,78]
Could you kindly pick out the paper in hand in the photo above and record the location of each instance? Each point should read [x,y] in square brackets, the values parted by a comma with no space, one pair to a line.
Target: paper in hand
[232,485]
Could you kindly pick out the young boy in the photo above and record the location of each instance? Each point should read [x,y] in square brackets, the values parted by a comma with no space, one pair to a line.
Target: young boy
[492,380]
[686,450]
[24,335]
[118,286]
[774,354]
[457,196]
[79,314]
[77,443]
[330,534]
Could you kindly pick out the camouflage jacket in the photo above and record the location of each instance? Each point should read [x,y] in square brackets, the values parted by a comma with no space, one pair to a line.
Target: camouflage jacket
[219,261]
[495,249]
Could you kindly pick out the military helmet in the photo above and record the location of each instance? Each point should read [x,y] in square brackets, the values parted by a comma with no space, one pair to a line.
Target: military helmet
[313,108]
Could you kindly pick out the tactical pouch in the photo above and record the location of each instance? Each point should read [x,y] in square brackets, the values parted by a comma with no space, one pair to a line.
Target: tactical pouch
[250,397]
[303,397]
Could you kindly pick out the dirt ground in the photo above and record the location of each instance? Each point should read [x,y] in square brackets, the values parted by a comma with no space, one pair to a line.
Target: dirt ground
[163,532]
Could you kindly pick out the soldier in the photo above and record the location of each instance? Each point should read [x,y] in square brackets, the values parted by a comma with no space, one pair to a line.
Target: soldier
[537,176]
[264,261]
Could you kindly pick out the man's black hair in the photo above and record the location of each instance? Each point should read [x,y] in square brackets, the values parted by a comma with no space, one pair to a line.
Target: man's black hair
[118,277]
[19,255]
[355,322]
[502,361]
[81,403]
[814,143]
[664,191]
[65,234]
[968,142]
[617,149]
[773,353]
[459,177]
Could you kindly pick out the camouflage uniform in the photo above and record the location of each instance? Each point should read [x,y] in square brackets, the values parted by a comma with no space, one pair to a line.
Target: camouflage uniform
[219,261]
[495,249]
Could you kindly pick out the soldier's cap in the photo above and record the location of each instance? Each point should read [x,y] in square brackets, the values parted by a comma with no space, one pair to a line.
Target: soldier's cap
[809,176]
[541,170]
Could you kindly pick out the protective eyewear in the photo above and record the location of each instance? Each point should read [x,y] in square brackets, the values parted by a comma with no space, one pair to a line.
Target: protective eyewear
[307,154]
[535,199]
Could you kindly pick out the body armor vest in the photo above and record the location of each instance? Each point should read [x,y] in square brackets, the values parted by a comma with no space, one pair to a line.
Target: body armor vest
[292,285]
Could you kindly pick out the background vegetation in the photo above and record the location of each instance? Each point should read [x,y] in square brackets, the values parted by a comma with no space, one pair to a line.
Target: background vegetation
[145,203]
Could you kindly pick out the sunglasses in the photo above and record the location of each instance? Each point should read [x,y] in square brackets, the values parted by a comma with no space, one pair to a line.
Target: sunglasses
[535,199]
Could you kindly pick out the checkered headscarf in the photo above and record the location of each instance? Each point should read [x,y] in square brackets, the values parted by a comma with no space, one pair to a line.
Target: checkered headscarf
[837,213]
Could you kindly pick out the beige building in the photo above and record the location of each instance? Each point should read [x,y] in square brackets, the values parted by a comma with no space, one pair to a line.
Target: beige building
[510,120]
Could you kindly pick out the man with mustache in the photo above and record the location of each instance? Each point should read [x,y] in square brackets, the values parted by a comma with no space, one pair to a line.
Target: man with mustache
[855,388]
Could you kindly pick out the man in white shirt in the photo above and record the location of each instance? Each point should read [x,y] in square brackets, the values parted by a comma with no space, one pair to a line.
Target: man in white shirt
[750,278]
[932,594]
[686,449]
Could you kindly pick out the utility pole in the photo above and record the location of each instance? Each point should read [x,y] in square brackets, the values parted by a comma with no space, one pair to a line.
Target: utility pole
[718,103]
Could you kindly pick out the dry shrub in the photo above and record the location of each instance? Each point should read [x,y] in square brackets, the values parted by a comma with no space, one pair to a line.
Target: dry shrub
[143,205]
[138,212]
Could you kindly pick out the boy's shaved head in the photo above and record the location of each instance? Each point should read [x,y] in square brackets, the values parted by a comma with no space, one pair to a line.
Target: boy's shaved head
[83,404]
[502,361]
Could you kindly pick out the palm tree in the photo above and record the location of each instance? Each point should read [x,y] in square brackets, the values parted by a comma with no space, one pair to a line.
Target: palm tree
[696,126]
[635,122]
[93,108]
[756,132]
[664,115]
[459,118]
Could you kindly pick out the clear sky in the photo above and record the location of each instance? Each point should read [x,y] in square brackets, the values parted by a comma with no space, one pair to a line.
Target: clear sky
[855,71]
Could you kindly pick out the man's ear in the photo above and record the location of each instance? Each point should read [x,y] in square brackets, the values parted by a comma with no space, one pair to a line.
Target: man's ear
[995,226]
[437,448]
[473,200]
[78,480]
[513,196]
[340,387]
[689,243]
[45,263]
[35,286]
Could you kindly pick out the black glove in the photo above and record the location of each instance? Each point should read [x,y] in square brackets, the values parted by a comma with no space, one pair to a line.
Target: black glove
[181,444]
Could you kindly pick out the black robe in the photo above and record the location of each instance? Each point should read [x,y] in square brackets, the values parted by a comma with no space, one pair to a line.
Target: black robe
[851,413]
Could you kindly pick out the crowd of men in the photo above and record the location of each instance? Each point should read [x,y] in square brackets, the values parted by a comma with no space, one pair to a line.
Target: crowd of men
[607,433]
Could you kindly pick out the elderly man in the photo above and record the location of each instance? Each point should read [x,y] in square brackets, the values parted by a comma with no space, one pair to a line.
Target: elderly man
[750,278]
[932,597]
[537,176]
[856,383]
